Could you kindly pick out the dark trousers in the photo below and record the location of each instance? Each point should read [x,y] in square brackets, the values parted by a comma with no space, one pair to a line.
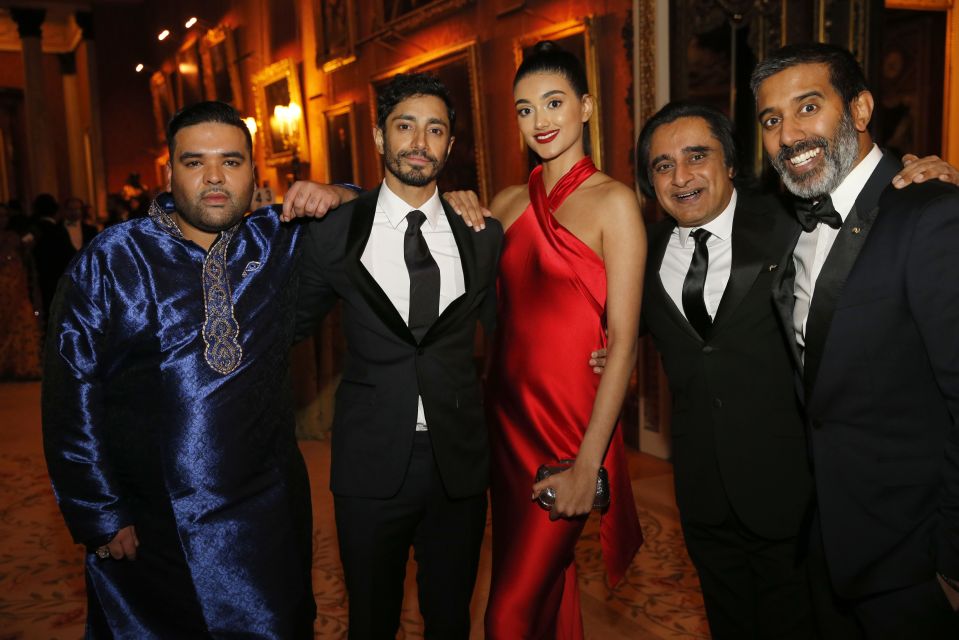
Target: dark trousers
[917,611]
[754,588]
[375,536]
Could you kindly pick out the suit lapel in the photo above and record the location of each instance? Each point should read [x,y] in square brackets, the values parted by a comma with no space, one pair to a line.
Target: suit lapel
[842,256]
[657,250]
[467,250]
[784,299]
[748,258]
[361,224]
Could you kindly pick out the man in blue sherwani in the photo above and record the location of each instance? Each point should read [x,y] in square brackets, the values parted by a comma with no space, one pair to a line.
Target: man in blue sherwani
[168,426]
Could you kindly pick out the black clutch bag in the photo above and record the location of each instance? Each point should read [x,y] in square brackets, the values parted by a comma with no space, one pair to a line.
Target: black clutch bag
[547,497]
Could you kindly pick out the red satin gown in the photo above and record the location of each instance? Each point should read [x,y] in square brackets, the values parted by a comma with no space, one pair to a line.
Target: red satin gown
[552,297]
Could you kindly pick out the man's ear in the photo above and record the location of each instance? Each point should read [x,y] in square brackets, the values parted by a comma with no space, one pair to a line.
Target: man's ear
[168,168]
[861,108]
[378,139]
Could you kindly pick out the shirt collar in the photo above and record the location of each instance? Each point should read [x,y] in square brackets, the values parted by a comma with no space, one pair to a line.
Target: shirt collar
[844,196]
[721,226]
[396,208]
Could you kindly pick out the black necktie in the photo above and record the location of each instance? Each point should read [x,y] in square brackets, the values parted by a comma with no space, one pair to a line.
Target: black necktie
[810,214]
[694,305]
[424,276]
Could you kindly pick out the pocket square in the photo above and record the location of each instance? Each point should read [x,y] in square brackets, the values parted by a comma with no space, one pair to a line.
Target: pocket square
[772,267]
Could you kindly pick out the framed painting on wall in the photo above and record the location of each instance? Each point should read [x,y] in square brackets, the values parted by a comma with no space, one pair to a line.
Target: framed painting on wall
[221,79]
[189,79]
[342,160]
[163,106]
[457,68]
[577,38]
[276,90]
[335,33]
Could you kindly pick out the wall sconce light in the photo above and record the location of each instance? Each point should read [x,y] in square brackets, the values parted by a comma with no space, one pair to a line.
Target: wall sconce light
[251,125]
[285,122]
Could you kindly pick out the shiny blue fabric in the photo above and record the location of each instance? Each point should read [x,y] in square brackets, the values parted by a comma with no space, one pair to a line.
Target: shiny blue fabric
[166,406]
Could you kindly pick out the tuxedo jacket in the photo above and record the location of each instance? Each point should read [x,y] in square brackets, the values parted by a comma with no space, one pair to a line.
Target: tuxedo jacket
[881,386]
[386,368]
[736,423]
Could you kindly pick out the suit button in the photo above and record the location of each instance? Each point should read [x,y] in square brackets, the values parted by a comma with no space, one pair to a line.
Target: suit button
[707,349]
[420,351]
[717,403]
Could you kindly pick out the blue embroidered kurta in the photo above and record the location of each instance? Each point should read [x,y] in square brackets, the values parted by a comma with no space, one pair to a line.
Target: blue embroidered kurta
[166,406]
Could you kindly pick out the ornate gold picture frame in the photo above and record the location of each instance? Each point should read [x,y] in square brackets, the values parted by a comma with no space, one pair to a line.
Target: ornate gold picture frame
[457,67]
[278,86]
[577,37]
[163,104]
[335,33]
[342,158]
[221,79]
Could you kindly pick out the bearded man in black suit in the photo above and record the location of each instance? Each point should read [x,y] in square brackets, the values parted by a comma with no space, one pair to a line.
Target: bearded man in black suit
[870,300]
[410,456]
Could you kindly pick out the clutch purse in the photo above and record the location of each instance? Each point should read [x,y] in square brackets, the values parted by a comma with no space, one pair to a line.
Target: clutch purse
[547,497]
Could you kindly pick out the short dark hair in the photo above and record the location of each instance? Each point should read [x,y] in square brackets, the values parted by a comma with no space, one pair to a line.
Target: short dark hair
[719,125]
[45,205]
[408,85]
[845,74]
[549,57]
[208,111]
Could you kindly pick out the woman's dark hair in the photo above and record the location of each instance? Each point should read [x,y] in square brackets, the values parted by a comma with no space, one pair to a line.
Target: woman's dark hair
[406,85]
[549,57]
[209,111]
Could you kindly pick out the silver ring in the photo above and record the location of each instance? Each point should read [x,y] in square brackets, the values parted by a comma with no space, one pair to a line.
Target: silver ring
[103,552]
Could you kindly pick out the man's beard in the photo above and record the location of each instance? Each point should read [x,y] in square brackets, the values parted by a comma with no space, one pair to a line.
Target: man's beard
[415,176]
[205,219]
[839,157]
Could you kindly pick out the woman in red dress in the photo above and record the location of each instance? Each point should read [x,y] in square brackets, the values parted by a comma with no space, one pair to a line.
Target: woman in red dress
[570,282]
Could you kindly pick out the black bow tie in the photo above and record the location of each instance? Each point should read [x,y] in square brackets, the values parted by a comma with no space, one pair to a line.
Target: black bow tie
[810,214]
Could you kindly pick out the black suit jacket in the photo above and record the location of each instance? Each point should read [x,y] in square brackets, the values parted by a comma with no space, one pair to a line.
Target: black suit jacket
[881,382]
[386,368]
[51,255]
[736,422]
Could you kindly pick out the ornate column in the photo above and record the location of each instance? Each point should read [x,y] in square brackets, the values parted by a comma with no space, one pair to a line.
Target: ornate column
[74,123]
[93,141]
[40,154]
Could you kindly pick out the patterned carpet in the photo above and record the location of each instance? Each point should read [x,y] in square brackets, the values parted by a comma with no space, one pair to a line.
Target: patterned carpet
[42,589]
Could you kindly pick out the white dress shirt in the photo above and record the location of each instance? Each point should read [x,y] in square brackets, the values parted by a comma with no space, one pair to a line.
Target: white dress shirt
[813,247]
[383,256]
[679,255]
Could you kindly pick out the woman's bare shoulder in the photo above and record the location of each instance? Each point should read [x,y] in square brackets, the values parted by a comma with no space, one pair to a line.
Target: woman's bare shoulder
[510,203]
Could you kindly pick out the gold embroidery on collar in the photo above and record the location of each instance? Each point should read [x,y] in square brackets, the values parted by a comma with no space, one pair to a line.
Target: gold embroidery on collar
[220,329]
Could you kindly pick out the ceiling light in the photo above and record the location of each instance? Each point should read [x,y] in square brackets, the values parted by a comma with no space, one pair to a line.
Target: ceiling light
[163,35]
[190,23]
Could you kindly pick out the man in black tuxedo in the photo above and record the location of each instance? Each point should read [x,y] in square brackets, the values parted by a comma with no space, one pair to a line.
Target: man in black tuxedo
[742,478]
[410,459]
[79,232]
[870,300]
[53,250]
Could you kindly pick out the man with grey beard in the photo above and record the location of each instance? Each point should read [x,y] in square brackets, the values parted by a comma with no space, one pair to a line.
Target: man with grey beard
[870,299]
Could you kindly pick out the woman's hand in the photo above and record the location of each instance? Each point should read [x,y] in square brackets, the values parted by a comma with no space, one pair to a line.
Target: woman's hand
[466,204]
[575,491]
